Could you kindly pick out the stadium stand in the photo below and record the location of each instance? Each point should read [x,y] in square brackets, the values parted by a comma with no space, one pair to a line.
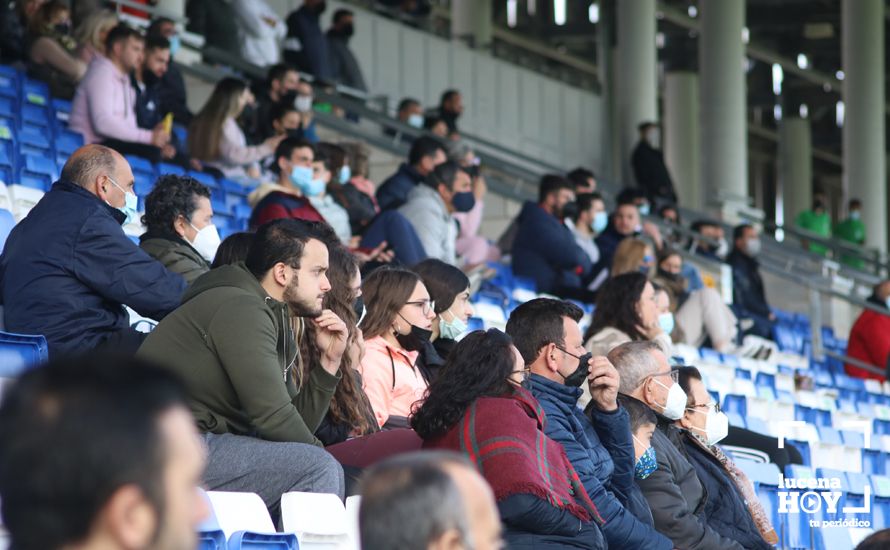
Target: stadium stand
[800,392]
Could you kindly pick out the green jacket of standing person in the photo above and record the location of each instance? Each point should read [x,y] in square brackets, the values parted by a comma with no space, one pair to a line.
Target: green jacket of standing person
[815,221]
[852,230]
[234,346]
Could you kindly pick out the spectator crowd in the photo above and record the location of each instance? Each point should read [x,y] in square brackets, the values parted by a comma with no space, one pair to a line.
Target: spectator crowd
[327,349]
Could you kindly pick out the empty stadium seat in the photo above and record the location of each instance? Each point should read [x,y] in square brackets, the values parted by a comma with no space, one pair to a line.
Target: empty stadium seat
[240,512]
[319,520]
[765,477]
[798,533]
[23,199]
[246,540]
[7,222]
[18,352]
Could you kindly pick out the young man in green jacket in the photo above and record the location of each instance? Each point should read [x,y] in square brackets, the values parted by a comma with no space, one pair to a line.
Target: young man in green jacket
[232,341]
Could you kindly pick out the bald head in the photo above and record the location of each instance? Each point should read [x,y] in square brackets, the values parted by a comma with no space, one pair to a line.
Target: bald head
[89,162]
[101,171]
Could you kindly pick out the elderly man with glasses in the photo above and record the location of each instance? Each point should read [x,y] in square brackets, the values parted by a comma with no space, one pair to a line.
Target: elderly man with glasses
[676,496]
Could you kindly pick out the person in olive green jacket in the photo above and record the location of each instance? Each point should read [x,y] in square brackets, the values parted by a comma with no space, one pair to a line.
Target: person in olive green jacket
[232,342]
[179,226]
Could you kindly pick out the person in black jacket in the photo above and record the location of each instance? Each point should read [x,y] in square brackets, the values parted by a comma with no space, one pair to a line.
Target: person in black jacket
[345,69]
[172,86]
[426,153]
[306,47]
[748,294]
[733,511]
[648,166]
[68,269]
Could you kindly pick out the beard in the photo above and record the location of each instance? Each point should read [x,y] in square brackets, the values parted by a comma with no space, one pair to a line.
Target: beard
[301,306]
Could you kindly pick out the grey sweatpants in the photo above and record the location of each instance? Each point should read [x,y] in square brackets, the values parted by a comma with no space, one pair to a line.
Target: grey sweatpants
[269,468]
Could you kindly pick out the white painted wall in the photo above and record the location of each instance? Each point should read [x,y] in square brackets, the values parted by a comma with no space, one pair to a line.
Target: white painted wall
[517,108]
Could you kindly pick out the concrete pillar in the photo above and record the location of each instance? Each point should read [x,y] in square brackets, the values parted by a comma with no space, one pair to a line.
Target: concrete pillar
[795,166]
[610,167]
[724,124]
[865,163]
[682,136]
[471,21]
[637,86]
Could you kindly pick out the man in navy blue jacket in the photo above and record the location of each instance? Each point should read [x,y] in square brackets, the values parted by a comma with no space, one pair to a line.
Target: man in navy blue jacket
[306,47]
[68,269]
[597,441]
[426,153]
[544,248]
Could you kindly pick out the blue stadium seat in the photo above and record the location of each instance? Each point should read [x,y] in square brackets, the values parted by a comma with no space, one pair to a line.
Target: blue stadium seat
[34,143]
[241,211]
[10,80]
[167,168]
[37,117]
[35,92]
[144,184]
[737,420]
[765,478]
[874,461]
[18,352]
[758,425]
[833,538]
[881,502]
[735,403]
[7,222]
[8,108]
[765,380]
[212,540]
[181,133]
[35,181]
[827,434]
[804,448]
[798,533]
[277,541]
[141,165]
[852,438]
[743,374]
[857,485]
[206,179]
[711,355]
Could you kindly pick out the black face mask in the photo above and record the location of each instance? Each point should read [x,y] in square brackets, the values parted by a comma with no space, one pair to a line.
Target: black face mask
[414,340]
[578,377]
[346,31]
[149,78]
[63,29]
[675,277]
[320,7]
[294,133]
[359,307]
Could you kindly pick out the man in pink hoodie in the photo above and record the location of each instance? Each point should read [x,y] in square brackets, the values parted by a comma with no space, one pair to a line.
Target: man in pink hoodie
[104,105]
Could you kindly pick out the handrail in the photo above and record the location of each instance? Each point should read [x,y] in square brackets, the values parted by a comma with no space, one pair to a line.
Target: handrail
[152,10]
[857,363]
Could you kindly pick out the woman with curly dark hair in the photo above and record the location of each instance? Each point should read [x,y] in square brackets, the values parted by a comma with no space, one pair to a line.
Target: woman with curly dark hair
[478,406]
[350,413]
[179,226]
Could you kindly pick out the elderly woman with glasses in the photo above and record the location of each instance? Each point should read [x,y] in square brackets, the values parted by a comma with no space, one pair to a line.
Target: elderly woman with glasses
[478,406]
[397,326]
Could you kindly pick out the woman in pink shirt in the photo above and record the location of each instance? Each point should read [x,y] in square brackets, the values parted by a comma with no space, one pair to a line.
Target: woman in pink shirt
[397,325]
[215,138]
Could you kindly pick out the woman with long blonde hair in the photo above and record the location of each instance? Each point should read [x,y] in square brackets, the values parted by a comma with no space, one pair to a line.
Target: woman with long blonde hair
[632,255]
[92,32]
[215,139]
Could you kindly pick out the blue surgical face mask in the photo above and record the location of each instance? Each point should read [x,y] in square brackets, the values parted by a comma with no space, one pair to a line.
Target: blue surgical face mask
[451,330]
[313,188]
[855,214]
[644,209]
[301,176]
[345,174]
[646,464]
[887,302]
[599,222]
[175,44]
[464,202]
[666,322]
[415,120]
[131,203]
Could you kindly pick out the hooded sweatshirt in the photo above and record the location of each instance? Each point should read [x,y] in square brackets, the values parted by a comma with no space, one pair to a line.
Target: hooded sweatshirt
[234,346]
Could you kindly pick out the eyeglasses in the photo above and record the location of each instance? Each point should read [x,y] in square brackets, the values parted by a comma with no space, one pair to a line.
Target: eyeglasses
[427,306]
[712,405]
[674,374]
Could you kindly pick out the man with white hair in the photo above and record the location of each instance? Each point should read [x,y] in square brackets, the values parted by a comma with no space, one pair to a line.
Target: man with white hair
[675,494]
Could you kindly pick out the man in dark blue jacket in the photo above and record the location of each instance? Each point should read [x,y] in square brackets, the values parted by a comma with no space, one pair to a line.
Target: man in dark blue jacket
[68,269]
[544,248]
[597,441]
[306,47]
[426,153]
[748,294]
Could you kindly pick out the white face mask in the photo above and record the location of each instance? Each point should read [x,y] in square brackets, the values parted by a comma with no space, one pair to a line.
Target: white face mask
[752,247]
[716,426]
[303,103]
[206,241]
[722,248]
[676,401]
